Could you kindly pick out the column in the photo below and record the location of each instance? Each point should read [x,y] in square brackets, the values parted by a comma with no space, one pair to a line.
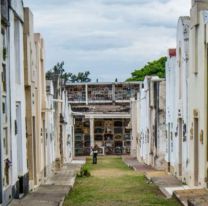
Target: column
[92,142]
[86,94]
[113,92]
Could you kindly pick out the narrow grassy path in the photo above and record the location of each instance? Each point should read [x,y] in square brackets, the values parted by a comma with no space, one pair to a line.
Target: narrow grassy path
[112,183]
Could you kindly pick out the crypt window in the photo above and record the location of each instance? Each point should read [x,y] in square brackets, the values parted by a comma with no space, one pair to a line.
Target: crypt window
[98,138]
[99,130]
[118,137]
[79,130]
[127,136]
[118,124]
[118,130]
[78,137]
[108,137]
[87,137]
[98,123]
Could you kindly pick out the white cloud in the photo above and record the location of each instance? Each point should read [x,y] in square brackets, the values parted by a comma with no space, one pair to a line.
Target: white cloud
[109,37]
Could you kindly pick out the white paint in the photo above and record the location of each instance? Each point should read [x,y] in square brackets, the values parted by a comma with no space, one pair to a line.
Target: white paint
[18,142]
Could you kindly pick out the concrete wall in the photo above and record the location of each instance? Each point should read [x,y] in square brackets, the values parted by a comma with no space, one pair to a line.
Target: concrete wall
[138,120]
[49,135]
[144,118]
[152,123]
[134,129]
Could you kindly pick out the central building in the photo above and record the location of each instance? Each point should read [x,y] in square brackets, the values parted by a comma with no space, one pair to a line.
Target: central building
[102,117]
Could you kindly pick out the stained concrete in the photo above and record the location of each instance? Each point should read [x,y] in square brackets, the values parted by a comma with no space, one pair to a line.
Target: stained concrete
[198,201]
[160,178]
[192,197]
[169,185]
[53,192]
[137,166]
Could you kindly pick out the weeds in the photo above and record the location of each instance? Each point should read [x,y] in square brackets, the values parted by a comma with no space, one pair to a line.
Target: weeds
[84,172]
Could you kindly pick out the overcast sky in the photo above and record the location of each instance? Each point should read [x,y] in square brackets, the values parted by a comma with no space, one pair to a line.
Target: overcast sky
[110,38]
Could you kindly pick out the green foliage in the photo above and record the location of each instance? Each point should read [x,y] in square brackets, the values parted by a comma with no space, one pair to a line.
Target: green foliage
[84,172]
[80,77]
[154,68]
[56,72]
[59,71]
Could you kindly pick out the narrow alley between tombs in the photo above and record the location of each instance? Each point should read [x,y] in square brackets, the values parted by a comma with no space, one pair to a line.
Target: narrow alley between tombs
[129,129]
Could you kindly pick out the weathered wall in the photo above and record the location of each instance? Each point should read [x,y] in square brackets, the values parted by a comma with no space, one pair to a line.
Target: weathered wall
[170,109]
[134,129]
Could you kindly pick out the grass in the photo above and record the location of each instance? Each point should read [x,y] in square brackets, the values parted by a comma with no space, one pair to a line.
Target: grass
[112,183]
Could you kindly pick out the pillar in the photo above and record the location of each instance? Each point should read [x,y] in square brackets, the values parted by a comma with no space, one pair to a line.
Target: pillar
[86,94]
[92,142]
[113,92]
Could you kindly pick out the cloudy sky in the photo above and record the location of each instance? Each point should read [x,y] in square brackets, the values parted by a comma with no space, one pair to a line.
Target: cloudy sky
[110,38]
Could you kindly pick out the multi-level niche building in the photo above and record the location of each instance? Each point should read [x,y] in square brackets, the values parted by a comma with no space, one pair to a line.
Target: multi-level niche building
[101,112]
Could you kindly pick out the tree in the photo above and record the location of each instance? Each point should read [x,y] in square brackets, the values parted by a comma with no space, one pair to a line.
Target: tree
[58,71]
[83,77]
[156,68]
